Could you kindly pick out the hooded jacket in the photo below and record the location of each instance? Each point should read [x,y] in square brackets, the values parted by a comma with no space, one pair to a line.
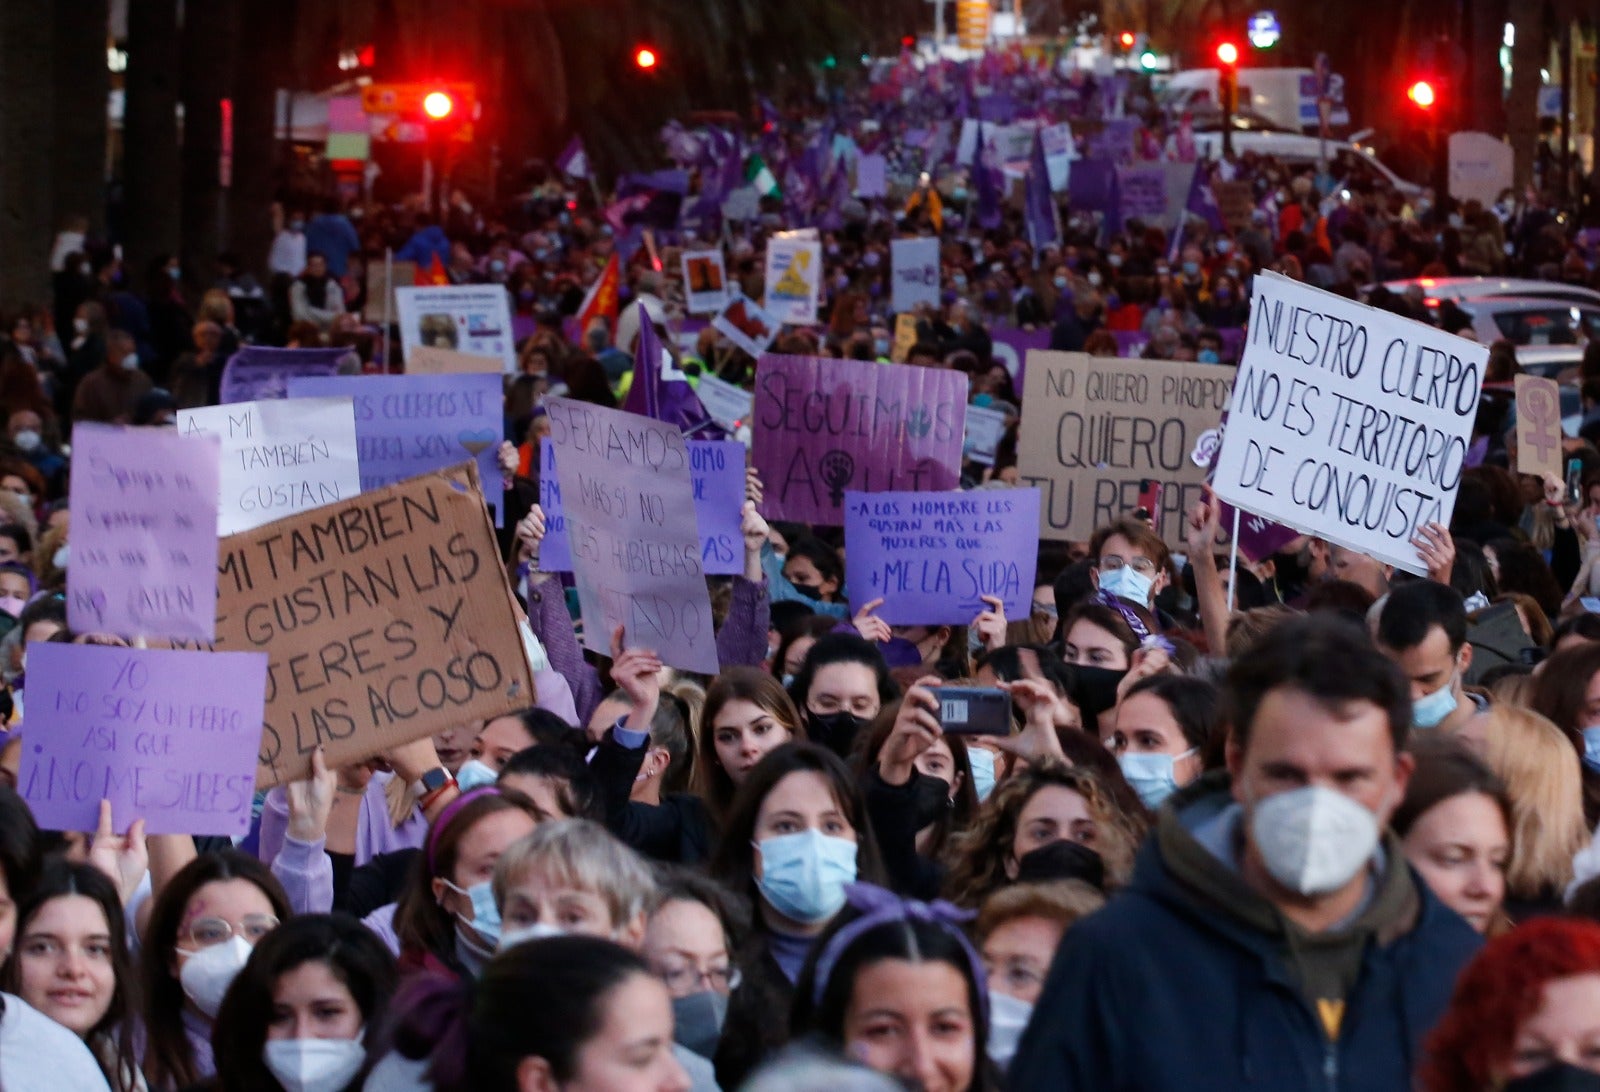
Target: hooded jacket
[1190,980]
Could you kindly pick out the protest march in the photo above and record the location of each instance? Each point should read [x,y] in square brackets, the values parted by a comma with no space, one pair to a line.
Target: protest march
[943,586]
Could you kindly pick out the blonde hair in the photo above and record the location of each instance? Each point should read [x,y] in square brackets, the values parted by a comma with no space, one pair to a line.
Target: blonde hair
[582,855]
[1542,777]
[1060,901]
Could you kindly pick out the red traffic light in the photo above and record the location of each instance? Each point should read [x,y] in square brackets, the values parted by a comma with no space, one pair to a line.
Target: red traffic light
[438,105]
[1422,94]
[1127,39]
[1228,54]
[644,57]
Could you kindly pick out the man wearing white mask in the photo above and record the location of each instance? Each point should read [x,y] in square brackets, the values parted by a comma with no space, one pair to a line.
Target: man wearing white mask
[1273,935]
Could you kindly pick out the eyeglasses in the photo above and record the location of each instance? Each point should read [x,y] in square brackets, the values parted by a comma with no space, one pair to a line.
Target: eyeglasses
[1141,565]
[209,932]
[682,978]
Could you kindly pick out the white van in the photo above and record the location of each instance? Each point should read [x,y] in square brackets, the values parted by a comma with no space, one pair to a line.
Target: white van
[1285,96]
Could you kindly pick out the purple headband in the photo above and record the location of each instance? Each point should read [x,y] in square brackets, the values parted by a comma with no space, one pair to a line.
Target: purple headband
[1135,623]
[881,907]
[451,810]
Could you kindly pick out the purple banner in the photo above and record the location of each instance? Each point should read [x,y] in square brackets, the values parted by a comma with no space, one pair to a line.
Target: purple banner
[628,495]
[413,424]
[1010,347]
[1092,185]
[255,373]
[931,556]
[1144,192]
[1130,342]
[144,540]
[169,737]
[1116,141]
[717,472]
[824,426]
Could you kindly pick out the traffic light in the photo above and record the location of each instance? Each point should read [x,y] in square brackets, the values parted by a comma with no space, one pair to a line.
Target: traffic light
[645,58]
[1126,40]
[438,105]
[1227,54]
[1227,89]
[1422,94]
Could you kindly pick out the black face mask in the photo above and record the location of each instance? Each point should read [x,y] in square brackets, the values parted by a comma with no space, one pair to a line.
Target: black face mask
[809,591]
[1557,1078]
[1094,691]
[930,799]
[1063,860]
[835,731]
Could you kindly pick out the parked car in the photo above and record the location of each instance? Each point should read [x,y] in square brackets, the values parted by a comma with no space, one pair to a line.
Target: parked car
[1435,289]
[1532,322]
[1549,360]
[1251,134]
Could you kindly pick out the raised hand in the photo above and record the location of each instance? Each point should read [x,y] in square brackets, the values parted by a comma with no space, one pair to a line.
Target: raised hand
[916,728]
[124,859]
[311,800]
[990,625]
[869,625]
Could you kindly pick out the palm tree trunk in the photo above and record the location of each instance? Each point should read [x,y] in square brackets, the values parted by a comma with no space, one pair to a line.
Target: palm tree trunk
[1528,52]
[26,97]
[210,46]
[258,75]
[150,132]
[82,82]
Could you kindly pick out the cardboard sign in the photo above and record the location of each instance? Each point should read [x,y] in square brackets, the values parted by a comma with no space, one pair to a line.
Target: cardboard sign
[931,556]
[915,265]
[985,429]
[1235,202]
[705,281]
[254,373]
[412,424]
[380,285]
[728,405]
[1348,422]
[1093,428]
[629,502]
[1538,426]
[717,475]
[469,318]
[144,536]
[1480,167]
[279,457]
[905,338]
[744,323]
[824,426]
[1059,151]
[794,277]
[426,360]
[169,737]
[387,618]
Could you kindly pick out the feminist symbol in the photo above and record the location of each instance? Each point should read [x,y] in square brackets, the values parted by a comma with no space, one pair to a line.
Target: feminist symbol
[1540,410]
[837,469]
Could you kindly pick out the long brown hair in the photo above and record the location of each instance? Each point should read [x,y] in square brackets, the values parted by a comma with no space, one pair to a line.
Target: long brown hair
[712,783]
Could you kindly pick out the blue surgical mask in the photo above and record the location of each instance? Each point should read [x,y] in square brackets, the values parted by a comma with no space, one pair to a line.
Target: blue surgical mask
[787,680]
[475,775]
[1127,584]
[1151,776]
[1060,283]
[981,760]
[803,876]
[485,920]
[1591,747]
[880,346]
[1191,269]
[1208,356]
[1430,709]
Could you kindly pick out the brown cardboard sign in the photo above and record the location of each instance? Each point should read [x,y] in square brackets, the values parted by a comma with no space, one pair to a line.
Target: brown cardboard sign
[1538,426]
[386,617]
[428,360]
[1235,202]
[380,285]
[1094,428]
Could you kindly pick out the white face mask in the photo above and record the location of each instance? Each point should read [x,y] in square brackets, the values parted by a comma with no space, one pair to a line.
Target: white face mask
[1008,1017]
[314,1065]
[60,557]
[1313,840]
[27,440]
[207,973]
[131,361]
[537,931]
[80,325]
[537,659]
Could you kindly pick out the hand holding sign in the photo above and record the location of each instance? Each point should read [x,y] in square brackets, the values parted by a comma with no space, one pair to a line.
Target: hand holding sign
[990,624]
[637,673]
[310,800]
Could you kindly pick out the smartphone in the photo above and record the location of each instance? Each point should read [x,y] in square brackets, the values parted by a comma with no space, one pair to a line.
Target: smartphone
[973,710]
[1574,481]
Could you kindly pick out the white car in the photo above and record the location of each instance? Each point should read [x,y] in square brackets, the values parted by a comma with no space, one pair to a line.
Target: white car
[1470,288]
[1249,135]
[1532,322]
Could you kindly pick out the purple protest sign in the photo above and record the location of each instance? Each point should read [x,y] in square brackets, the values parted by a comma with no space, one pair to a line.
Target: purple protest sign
[254,373]
[1259,537]
[415,424]
[717,474]
[1144,192]
[1130,342]
[931,556]
[144,540]
[1116,141]
[1011,348]
[628,496]
[1092,185]
[823,426]
[167,736]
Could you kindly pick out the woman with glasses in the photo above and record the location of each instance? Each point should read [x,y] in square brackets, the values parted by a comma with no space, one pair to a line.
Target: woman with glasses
[203,927]
[689,940]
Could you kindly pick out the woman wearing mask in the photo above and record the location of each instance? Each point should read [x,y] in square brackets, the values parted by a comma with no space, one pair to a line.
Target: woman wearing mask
[897,985]
[1454,827]
[70,962]
[446,921]
[203,927]
[690,936]
[1017,932]
[747,716]
[1550,842]
[1044,804]
[1097,640]
[840,687]
[1525,1015]
[1161,733]
[297,1017]
[572,1012]
[796,835]
[1567,692]
[813,569]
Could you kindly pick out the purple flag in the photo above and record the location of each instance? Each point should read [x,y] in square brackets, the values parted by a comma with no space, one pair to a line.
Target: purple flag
[1044,223]
[573,160]
[660,390]
[649,200]
[1202,202]
[986,180]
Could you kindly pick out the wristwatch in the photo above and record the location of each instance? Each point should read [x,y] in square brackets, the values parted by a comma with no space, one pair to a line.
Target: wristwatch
[432,781]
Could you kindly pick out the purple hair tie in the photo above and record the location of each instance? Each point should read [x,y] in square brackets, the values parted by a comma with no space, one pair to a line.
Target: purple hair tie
[880,906]
[1135,623]
[451,810]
